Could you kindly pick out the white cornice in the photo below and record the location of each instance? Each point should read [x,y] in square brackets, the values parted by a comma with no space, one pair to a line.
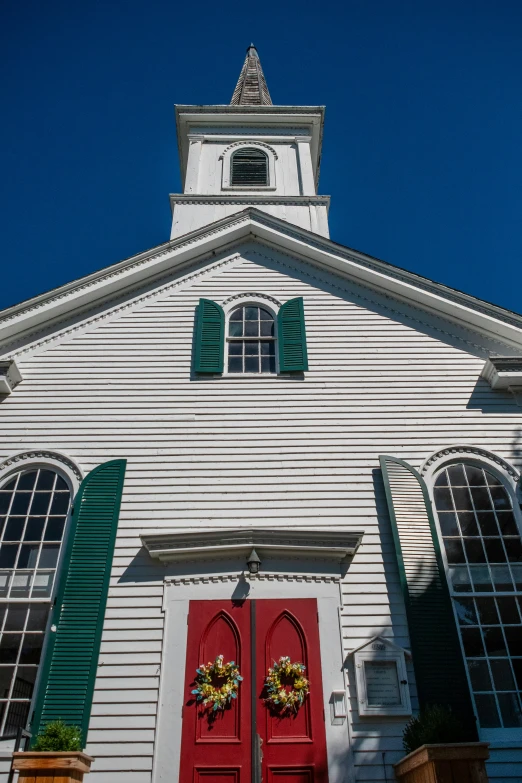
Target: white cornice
[189,120]
[149,267]
[503,372]
[112,310]
[249,198]
[10,376]
[316,545]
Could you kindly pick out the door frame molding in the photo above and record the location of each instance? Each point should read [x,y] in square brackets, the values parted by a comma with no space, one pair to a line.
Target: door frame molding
[176,596]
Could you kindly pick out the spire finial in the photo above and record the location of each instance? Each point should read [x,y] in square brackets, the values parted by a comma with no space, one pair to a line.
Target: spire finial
[251,89]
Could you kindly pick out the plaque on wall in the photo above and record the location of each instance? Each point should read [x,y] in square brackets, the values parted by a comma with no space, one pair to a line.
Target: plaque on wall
[381,678]
[382,684]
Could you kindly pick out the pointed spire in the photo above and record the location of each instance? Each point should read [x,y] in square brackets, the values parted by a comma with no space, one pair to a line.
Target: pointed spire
[251,89]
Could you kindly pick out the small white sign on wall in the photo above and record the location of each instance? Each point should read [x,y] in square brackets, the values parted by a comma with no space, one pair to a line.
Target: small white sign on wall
[381,678]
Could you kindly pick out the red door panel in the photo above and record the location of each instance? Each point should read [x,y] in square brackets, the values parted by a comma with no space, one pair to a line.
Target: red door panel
[291,776]
[221,636]
[294,746]
[285,637]
[217,776]
[216,747]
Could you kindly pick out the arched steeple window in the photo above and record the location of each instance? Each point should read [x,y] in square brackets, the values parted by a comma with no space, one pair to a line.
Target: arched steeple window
[249,166]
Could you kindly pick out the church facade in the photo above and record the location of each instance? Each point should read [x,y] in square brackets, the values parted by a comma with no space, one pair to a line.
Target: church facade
[251,450]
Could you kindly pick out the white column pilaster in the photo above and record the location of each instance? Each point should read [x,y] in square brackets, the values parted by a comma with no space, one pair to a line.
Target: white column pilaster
[193,164]
[305,165]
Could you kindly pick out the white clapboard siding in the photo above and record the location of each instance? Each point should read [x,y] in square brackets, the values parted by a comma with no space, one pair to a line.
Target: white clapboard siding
[384,378]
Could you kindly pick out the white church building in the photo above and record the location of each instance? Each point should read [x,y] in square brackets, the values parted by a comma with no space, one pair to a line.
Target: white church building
[253,442]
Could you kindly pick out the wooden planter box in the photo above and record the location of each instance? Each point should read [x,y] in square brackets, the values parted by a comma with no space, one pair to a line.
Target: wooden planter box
[49,767]
[449,763]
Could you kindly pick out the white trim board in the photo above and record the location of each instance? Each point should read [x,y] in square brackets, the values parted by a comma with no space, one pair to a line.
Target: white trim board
[325,548]
[95,289]
[176,606]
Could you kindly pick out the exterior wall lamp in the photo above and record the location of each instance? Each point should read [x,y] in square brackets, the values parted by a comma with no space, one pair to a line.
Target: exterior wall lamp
[253,562]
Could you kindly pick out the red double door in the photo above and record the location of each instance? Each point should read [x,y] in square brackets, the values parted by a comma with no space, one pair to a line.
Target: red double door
[247,742]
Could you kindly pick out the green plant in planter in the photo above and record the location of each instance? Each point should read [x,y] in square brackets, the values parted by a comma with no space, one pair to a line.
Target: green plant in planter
[58,737]
[435,724]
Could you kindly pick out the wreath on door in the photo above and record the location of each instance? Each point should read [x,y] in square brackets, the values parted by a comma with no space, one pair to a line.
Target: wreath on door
[217,683]
[279,697]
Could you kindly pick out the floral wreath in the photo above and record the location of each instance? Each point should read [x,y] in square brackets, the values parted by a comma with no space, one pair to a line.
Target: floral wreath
[278,696]
[206,693]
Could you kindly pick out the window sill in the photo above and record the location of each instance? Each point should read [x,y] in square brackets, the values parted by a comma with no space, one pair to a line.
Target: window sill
[243,188]
[298,375]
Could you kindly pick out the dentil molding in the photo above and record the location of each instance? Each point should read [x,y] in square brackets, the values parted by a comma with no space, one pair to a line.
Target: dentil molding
[263,577]
[443,454]
[248,143]
[251,295]
[42,455]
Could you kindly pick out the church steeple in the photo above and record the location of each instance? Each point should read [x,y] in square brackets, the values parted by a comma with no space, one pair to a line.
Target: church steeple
[249,154]
[251,89]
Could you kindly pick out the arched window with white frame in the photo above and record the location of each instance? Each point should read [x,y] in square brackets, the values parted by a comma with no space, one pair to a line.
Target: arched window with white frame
[480,531]
[34,506]
[251,340]
[248,166]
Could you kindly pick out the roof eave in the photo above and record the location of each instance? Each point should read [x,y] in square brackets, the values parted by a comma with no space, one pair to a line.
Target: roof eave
[419,292]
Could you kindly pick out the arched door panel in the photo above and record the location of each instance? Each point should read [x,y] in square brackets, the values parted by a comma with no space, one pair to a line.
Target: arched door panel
[215,746]
[220,637]
[286,637]
[294,745]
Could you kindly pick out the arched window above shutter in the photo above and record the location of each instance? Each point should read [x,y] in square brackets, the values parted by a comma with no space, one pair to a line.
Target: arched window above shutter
[291,336]
[210,337]
[249,166]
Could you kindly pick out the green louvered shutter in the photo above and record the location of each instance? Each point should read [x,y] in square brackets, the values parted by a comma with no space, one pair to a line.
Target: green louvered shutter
[210,337]
[436,653]
[69,669]
[291,337]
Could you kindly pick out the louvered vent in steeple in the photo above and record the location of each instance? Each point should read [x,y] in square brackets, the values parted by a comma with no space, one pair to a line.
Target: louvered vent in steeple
[249,167]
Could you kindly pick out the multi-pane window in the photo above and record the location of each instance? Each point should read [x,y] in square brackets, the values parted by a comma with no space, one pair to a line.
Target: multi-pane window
[251,341]
[33,509]
[484,553]
[249,167]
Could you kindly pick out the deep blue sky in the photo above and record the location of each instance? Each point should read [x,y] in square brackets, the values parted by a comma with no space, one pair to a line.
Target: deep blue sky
[422,151]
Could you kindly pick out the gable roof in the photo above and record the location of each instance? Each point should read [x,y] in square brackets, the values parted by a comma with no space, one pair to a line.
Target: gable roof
[116,280]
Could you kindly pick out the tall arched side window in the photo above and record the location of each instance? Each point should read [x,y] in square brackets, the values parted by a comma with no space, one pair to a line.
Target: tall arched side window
[249,166]
[251,340]
[483,550]
[34,504]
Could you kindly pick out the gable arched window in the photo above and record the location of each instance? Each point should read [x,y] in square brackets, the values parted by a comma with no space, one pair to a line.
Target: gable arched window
[34,504]
[251,340]
[244,339]
[483,551]
[249,166]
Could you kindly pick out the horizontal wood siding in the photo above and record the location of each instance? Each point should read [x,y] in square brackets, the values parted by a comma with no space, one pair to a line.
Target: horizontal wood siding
[383,379]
